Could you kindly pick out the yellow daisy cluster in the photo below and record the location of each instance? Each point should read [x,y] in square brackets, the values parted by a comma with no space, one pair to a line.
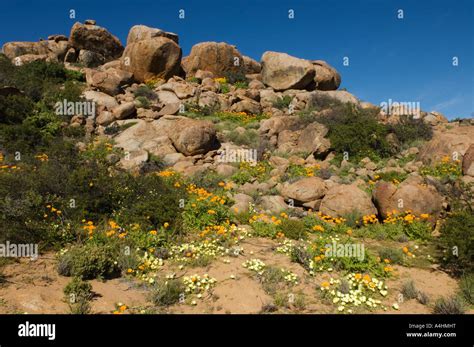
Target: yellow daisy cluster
[220,80]
[89,227]
[369,219]
[312,170]
[196,284]
[146,271]
[203,194]
[54,211]
[286,247]
[409,253]
[329,219]
[362,289]
[187,252]
[6,166]
[166,173]
[226,186]
[120,308]
[227,231]
[42,157]
[408,217]
[447,166]
[376,178]
[262,217]
[255,265]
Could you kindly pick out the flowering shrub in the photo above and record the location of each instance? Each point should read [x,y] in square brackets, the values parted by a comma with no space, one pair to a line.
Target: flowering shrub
[196,284]
[446,169]
[355,290]
[204,209]
[249,172]
[295,171]
[457,243]
[255,265]
[89,261]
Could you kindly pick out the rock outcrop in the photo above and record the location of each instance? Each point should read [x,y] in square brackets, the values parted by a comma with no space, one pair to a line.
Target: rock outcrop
[219,58]
[282,71]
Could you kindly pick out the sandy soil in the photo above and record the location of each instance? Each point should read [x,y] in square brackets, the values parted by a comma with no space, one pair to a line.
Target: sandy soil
[35,287]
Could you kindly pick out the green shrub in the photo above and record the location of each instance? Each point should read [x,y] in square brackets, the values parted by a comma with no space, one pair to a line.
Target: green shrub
[282,102]
[423,298]
[241,85]
[15,108]
[293,229]
[235,77]
[248,172]
[357,132]
[395,255]
[450,305]
[208,180]
[248,138]
[273,280]
[466,288]
[457,242]
[143,102]
[78,289]
[393,176]
[145,91]
[409,290]
[89,261]
[166,293]
[410,130]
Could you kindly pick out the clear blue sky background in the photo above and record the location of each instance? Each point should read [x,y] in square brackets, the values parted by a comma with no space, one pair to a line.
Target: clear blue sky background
[402,60]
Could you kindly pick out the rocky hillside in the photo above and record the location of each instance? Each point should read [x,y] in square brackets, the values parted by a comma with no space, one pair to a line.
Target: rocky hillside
[189,160]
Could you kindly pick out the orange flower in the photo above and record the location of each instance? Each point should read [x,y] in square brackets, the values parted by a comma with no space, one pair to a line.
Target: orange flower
[405,249]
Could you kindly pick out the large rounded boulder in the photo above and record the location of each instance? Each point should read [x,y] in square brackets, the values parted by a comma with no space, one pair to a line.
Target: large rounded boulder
[304,190]
[342,200]
[220,58]
[96,39]
[282,71]
[156,57]
[468,162]
[411,195]
[327,77]
[143,32]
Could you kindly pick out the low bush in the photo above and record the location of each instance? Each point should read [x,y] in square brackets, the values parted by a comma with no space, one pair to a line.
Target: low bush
[466,288]
[166,293]
[89,261]
[457,243]
[294,229]
[394,255]
[357,132]
[410,130]
[282,102]
[450,305]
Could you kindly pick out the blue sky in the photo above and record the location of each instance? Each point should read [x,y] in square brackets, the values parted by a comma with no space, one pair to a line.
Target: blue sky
[403,60]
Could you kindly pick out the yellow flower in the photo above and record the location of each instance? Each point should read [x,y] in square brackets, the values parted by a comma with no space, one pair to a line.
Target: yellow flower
[318,228]
[166,224]
[153,232]
[211,212]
